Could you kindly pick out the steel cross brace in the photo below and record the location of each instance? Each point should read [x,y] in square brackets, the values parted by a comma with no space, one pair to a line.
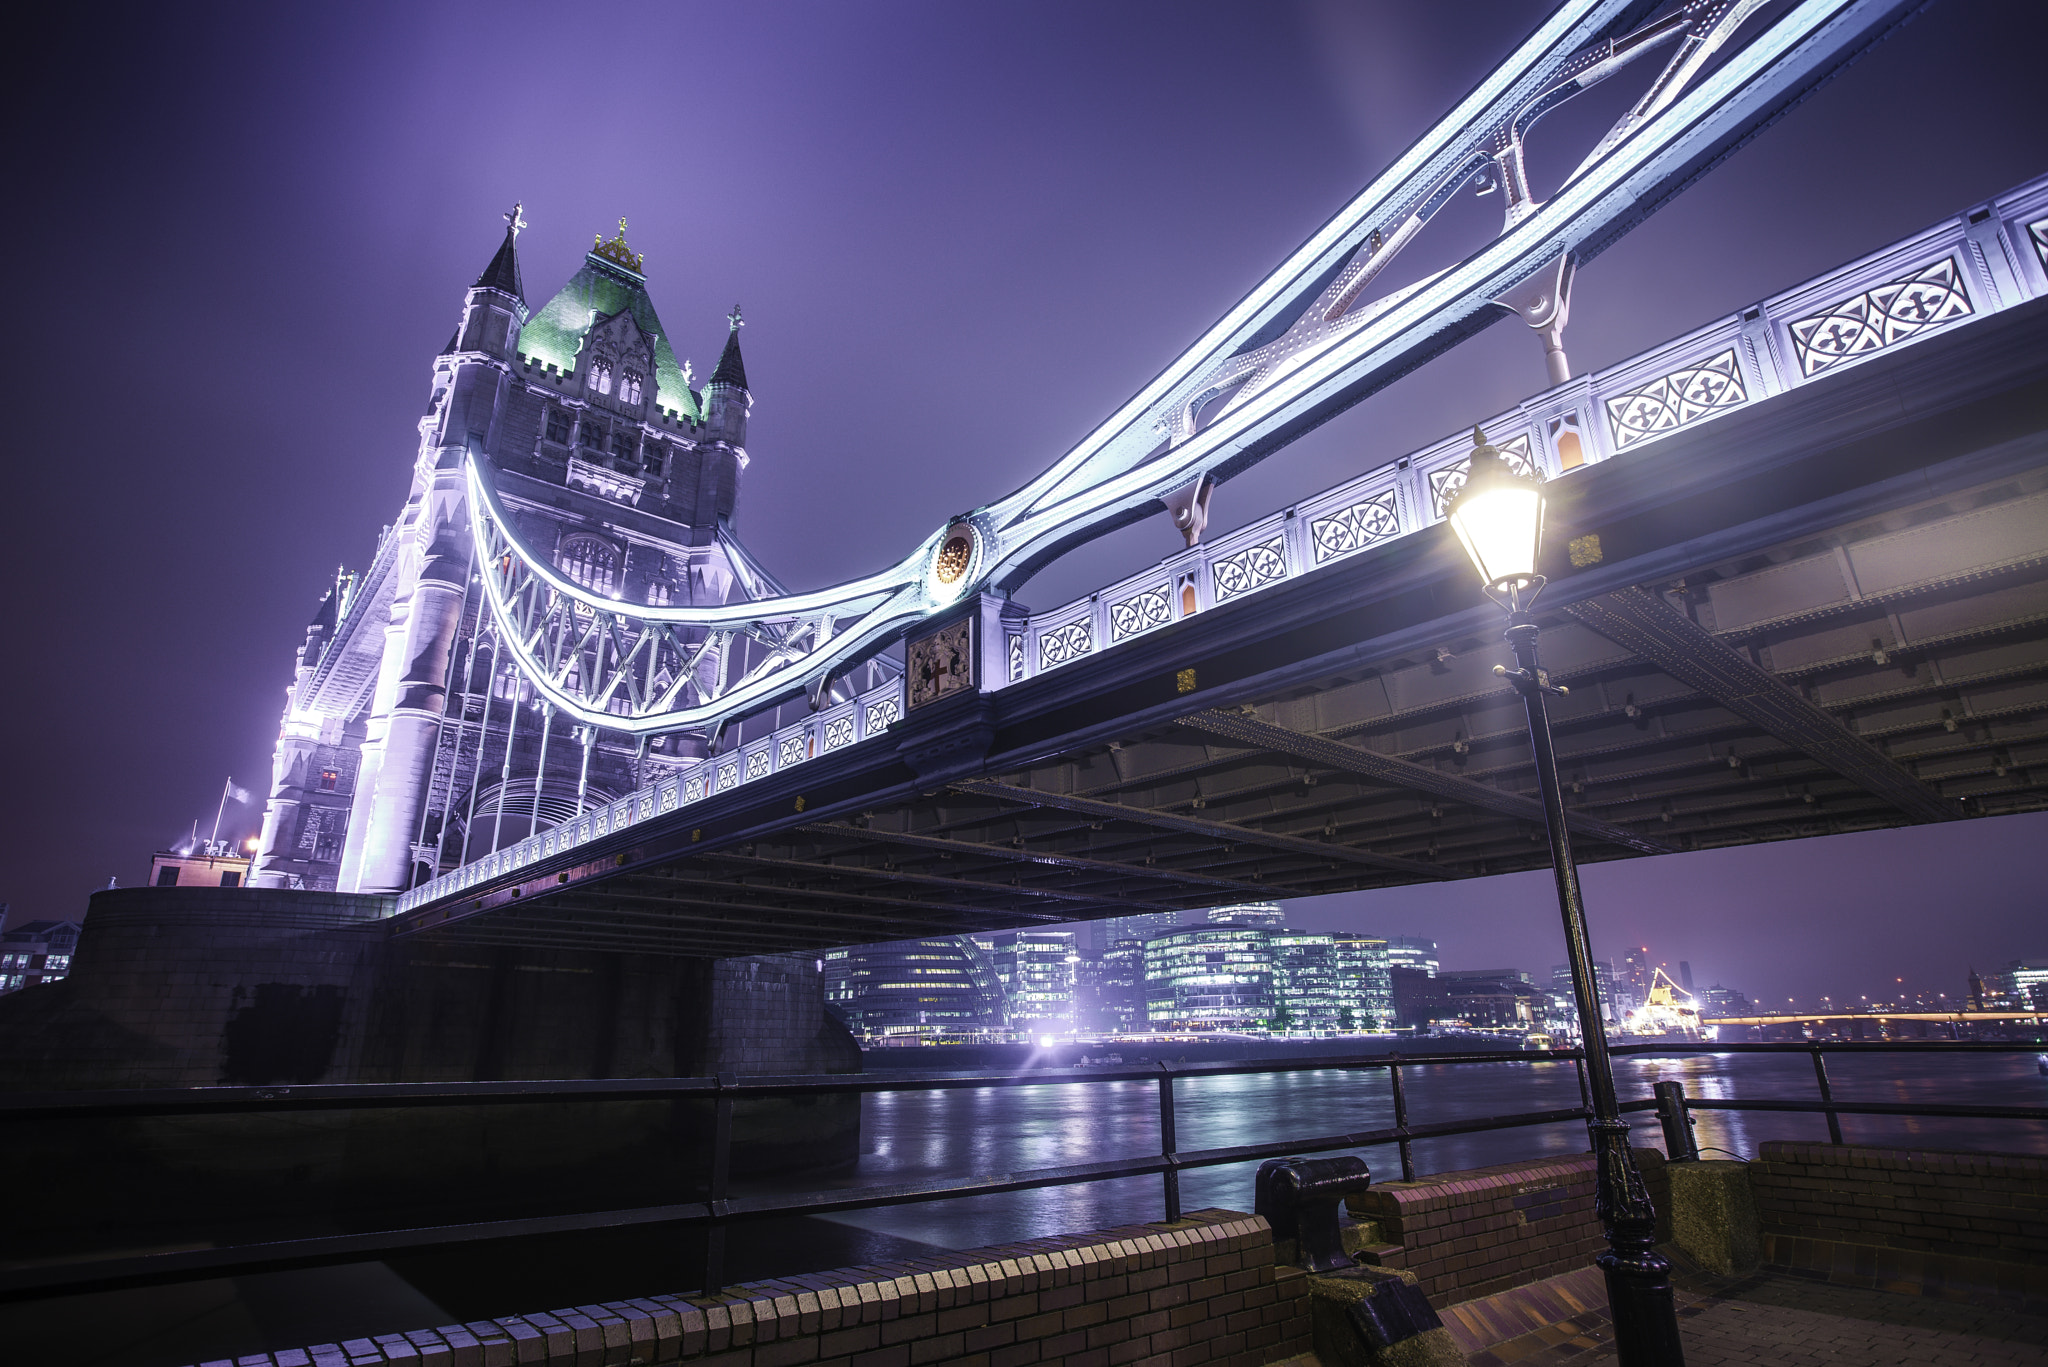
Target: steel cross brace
[1640,621]
[1223,832]
[1301,345]
[1401,773]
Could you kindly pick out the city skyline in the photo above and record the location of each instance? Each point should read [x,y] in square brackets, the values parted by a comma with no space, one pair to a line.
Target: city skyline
[856,228]
[1055,983]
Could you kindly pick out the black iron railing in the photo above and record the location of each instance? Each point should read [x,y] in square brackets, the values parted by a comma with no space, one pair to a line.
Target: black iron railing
[719,1209]
[1673,1105]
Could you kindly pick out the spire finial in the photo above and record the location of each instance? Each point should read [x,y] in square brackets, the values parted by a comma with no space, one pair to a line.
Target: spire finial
[516,220]
[617,251]
[735,319]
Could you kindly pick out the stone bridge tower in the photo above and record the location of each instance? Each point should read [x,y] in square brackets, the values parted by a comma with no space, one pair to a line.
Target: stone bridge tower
[407,743]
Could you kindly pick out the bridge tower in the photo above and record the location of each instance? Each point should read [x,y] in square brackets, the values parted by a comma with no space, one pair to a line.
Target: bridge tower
[407,742]
[432,571]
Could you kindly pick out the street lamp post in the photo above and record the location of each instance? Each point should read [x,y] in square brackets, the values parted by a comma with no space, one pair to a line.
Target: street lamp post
[1498,516]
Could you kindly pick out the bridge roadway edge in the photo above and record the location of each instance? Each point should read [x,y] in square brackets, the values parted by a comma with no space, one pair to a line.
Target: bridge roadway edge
[1951,412]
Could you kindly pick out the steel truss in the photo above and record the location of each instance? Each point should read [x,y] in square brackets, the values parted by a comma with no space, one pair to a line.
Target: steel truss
[1302,345]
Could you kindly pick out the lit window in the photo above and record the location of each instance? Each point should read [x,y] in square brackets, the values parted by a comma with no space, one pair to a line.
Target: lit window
[629,387]
[658,593]
[328,779]
[600,375]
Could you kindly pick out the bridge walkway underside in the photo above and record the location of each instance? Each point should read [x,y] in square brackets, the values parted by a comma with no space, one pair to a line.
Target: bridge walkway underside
[1825,613]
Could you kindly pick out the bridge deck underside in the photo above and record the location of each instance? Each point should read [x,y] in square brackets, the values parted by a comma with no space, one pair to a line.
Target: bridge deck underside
[1872,654]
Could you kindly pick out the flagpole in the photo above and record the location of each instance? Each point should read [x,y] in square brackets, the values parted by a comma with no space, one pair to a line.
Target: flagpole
[221,810]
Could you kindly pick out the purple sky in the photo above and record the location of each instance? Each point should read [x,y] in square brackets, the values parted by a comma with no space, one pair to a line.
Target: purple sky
[961,234]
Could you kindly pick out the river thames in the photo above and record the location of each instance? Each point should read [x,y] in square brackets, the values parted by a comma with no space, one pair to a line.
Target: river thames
[924,1136]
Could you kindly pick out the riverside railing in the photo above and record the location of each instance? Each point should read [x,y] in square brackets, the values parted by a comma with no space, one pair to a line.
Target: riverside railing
[719,1209]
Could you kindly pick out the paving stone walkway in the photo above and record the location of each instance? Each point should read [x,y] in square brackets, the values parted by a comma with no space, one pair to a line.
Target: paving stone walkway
[1792,1322]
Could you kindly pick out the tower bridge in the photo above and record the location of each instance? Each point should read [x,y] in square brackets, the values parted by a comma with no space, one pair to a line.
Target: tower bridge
[1795,590]
[1799,586]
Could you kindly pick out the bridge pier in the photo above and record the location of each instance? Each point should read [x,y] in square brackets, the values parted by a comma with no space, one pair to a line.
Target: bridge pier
[190,987]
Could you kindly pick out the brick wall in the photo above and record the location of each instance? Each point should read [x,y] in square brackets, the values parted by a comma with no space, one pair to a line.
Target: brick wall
[1467,1234]
[1977,1205]
[1201,1291]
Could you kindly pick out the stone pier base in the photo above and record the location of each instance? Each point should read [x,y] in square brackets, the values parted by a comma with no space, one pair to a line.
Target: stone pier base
[197,987]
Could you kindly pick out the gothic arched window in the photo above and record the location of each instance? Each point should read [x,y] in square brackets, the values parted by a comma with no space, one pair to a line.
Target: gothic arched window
[600,375]
[629,387]
[658,593]
[590,562]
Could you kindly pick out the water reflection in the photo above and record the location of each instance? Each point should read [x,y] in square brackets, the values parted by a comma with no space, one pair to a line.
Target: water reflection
[923,1136]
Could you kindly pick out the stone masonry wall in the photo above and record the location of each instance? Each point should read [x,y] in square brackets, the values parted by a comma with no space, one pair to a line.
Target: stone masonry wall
[201,987]
[1977,1205]
[191,987]
[198,987]
[1203,1290]
[1469,1234]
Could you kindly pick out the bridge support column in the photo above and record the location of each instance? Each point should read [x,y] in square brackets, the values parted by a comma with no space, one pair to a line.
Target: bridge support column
[426,618]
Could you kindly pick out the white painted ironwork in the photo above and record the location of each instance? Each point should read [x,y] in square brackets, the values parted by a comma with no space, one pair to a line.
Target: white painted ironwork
[1254,567]
[1755,350]
[1445,483]
[1064,644]
[1356,526]
[1138,613]
[1877,318]
[1305,337]
[1676,400]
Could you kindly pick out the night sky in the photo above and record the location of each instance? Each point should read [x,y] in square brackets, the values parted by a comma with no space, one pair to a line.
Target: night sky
[961,235]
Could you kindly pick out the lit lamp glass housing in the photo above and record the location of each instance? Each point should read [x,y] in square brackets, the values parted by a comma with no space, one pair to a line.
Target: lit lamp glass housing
[1498,516]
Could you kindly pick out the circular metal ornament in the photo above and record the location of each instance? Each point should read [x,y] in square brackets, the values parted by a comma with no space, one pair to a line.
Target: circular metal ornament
[955,555]
[956,560]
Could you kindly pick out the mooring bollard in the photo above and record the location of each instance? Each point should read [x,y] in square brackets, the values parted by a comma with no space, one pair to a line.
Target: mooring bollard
[1679,1144]
[1360,1316]
[1299,1198]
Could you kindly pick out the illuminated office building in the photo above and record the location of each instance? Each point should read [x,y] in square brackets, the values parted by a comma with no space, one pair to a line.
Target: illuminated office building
[1310,992]
[2026,982]
[916,990]
[1368,996]
[1141,927]
[1121,989]
[1265,914]
[1209,978]
[1036,969]
[1412,951]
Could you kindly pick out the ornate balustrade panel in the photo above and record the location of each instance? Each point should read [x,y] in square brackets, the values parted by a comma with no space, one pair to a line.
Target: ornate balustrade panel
[1983,261]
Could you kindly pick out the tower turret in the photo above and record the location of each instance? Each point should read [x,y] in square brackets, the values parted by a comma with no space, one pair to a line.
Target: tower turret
[726,400]
[724,436]
[495,307]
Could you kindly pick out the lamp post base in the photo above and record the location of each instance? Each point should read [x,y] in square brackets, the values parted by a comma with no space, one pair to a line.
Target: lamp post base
[1639,1298]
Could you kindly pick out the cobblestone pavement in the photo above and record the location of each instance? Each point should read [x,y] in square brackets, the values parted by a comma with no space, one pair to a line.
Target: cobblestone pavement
[1793,1322]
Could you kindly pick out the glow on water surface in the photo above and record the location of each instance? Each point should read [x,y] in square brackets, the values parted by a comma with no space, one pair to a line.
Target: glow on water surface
[923,1136]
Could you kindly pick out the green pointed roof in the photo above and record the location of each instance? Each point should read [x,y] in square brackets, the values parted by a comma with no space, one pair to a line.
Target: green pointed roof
[602,288]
